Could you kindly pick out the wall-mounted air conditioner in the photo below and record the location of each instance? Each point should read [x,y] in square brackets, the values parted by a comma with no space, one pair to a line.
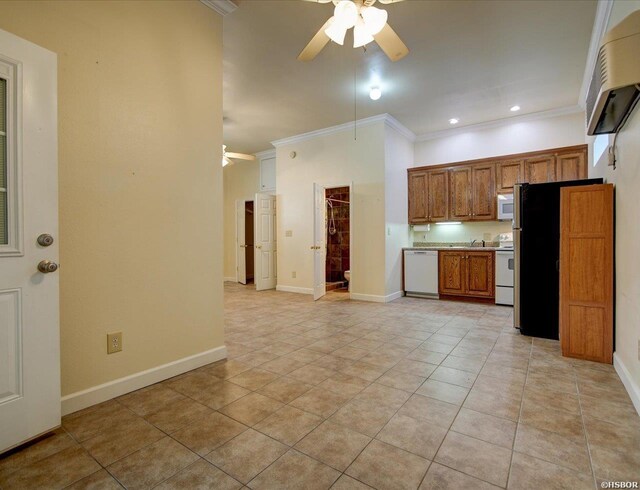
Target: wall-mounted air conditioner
[615,85]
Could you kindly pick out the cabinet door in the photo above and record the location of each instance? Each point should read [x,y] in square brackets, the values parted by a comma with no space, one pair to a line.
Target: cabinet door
[483,179]
[571,166]
[539,170]
[418,206]
[586,272]
[460,193]
[507,174]
[438,195]
[452,273]
[480,273]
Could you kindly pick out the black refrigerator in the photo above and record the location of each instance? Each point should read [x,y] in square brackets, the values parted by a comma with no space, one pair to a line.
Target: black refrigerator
[536,236]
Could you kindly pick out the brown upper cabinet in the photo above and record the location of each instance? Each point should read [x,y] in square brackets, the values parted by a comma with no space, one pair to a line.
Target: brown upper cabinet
[571,166]
[483,180]
[418,196]
[508,174]
[539,170]
[438,189]
[467,191]
[460,193]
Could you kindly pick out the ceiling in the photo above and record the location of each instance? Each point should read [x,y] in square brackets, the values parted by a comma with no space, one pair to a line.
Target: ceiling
[470,60]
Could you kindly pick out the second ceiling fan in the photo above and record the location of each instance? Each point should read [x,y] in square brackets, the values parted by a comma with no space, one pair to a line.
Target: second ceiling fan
[369,24]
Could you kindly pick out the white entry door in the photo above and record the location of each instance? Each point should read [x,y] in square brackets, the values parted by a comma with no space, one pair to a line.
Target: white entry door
[264,238]
[29,310]
[319,242]
[241,242]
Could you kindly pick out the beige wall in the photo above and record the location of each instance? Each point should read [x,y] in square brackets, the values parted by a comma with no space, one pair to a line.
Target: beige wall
[626,178]
[333,160]
[517,137]
[140,132]
[241,181]
[398,158]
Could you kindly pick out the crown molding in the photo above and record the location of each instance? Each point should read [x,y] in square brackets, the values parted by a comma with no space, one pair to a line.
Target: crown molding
[392,122]
[387,119]
[534,116]
[264,154]
[600,23]
[223,7]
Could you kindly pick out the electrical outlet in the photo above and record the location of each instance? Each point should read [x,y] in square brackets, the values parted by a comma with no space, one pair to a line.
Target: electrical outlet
[114,342]
[293,275]
[288,233]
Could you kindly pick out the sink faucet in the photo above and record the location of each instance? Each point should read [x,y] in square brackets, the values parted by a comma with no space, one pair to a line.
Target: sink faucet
[472,242]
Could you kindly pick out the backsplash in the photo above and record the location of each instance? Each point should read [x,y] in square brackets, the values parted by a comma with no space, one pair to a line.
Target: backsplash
[462,233]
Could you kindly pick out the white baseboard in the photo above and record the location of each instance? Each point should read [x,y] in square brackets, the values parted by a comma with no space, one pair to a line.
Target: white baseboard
[393,296]
[230,279]
[376,298]
[629,383]
[293,289]
[98,394]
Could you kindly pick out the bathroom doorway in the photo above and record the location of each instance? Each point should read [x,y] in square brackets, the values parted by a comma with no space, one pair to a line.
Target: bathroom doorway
[338,234]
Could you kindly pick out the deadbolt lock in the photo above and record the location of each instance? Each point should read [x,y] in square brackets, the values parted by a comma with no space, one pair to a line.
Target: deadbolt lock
[46,266]
[45,240]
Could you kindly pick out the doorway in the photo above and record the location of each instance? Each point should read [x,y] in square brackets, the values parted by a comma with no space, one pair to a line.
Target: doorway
[244,240]
[248,237]
[337,262]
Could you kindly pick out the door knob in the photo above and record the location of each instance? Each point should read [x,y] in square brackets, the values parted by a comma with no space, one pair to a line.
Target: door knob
[45,240]
[46,266]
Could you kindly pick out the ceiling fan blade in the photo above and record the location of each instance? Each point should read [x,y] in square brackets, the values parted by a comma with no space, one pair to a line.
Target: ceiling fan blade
[387,2]
[318,1]
[316,44]
[239,156]
[391,43]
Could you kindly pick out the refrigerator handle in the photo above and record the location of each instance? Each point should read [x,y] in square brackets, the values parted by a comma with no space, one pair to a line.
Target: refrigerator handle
[517,203]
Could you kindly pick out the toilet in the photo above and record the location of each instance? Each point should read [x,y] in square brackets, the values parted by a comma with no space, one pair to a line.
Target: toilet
[347,276]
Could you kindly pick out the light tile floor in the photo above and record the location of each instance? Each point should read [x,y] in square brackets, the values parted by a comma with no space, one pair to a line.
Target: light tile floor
[344,394]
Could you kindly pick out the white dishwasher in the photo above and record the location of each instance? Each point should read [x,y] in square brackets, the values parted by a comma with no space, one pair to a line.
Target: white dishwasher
[421,273]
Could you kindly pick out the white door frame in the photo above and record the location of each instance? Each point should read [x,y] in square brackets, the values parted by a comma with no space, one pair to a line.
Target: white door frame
[351,202]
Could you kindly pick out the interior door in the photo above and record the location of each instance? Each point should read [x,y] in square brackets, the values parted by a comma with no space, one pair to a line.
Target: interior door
[241,245]
[319,247]
[29,309]
[265,241]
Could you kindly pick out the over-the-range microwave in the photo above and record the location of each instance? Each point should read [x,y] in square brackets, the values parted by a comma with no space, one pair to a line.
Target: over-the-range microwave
[505,207]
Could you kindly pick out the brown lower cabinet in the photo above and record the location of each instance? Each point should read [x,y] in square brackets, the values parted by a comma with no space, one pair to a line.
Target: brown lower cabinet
[466,273]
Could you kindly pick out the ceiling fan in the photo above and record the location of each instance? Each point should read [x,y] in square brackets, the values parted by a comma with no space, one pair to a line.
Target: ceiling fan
[227,156]
[369,24]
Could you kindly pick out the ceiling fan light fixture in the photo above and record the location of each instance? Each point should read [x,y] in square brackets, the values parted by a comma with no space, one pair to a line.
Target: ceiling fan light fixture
[336,31]
[374,19]
[361,35]
[346,13]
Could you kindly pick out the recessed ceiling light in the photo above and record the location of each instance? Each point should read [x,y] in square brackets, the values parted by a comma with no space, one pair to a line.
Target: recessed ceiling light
[515,108]
[453,120]
[375,93]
